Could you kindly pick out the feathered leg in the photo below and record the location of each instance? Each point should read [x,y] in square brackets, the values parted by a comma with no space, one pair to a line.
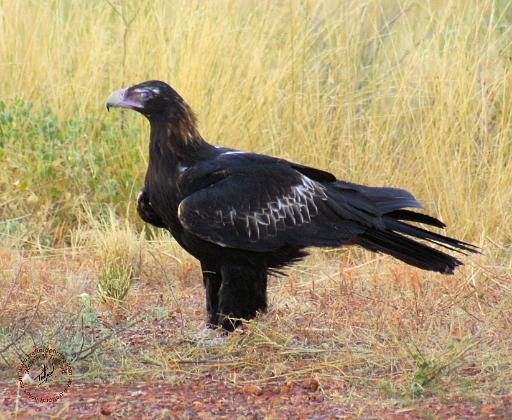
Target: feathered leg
[242,294]
[212,282]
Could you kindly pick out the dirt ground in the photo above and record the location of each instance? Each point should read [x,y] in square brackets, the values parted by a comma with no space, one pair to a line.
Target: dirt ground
[207,398]
[335,344]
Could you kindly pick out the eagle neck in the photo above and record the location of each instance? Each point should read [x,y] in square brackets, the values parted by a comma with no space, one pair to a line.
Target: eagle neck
[177,144]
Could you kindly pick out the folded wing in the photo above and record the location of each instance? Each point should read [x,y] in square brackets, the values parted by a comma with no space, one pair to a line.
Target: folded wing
[262,209]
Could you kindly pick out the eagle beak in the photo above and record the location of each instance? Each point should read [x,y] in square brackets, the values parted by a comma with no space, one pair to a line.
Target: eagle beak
[121,99]
[116,99]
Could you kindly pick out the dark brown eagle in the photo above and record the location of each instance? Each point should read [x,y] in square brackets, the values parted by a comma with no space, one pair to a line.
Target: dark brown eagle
[244,215]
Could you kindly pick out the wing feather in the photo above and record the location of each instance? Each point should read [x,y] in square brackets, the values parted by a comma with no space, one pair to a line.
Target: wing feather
[253,212]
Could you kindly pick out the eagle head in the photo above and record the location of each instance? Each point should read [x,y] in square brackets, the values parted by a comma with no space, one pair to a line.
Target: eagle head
[151,98]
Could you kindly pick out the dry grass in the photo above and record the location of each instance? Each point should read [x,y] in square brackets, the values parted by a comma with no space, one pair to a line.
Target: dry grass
[405,93]
[367,329]
[120,255]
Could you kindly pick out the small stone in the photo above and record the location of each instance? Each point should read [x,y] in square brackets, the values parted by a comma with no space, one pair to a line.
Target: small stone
[252,389]
[106,410]
[136,393]
[310,384]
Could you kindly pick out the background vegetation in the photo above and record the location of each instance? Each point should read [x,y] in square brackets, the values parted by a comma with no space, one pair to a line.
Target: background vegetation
[413,94]
[407,93]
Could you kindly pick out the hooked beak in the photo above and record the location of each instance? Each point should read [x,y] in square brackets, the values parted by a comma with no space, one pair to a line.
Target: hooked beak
[121,99]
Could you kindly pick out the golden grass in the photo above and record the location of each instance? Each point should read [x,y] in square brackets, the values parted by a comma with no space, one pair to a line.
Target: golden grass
[405,93]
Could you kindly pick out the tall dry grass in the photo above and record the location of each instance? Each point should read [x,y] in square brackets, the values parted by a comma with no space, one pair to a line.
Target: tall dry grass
[404,93]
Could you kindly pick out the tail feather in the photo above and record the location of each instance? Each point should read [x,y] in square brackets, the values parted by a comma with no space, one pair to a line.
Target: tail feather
[386,199]
[382,209]
[408,251]
[432,237]
[412,216]
[393,242]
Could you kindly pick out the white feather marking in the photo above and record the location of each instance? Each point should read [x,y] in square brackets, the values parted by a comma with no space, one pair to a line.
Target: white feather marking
[234,152]
[297,207]
[232,214]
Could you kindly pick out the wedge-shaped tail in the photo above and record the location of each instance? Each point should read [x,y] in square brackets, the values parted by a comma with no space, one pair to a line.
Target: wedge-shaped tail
[399,240]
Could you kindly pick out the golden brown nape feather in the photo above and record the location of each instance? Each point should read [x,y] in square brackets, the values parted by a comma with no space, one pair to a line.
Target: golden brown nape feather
[182,122]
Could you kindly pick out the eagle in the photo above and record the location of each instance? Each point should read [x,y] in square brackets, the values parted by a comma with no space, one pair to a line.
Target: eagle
[245,215]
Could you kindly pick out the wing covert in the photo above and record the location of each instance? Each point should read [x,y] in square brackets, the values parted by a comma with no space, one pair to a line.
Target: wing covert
[254,212]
